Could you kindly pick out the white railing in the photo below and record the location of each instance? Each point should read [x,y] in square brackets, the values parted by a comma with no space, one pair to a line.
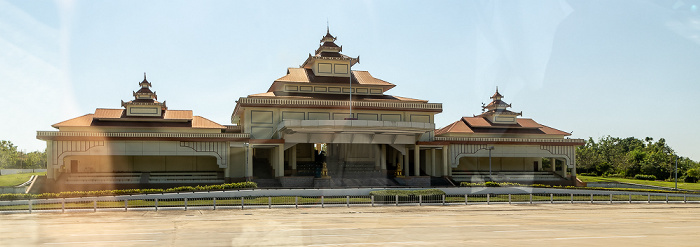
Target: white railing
[185,202]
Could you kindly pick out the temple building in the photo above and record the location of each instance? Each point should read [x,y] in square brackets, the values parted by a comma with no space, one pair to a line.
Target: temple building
[143,143]
[321,124]
[325,112]
[497,145]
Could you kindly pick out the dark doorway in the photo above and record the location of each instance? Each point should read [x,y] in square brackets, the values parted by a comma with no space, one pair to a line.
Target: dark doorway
[73,166]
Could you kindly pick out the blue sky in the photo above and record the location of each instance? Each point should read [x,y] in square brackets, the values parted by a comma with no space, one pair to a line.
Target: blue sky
[594,68]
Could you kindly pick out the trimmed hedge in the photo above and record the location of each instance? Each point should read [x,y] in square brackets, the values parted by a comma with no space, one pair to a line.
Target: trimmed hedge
[506,184]
[67,194]
[645,177]
[426,192]
[490,184]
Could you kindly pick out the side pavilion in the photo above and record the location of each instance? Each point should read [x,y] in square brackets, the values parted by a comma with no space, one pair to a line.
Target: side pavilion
[497,145]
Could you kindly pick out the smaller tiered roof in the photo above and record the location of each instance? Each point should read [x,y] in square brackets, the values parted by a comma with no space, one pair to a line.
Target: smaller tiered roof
[328,50]
[497,111]
[143,111]
[145,97]
[498,121]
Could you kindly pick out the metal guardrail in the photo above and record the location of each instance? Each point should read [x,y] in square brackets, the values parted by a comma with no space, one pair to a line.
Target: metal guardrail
[95,204]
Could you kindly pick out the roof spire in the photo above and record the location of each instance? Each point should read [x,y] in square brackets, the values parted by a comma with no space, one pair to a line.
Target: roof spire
[328,29]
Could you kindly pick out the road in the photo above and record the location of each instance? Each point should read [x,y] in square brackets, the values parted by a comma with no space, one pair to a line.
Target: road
[473,225]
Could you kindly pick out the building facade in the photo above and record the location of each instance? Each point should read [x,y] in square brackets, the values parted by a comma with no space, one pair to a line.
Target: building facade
[321,124]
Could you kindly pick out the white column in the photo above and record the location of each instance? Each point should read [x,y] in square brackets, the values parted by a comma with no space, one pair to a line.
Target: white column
[416,160]
[445,162]
[573,169]
[553,161]
[377,157]
[249,161]
[382,157]
[293,159]
[51,169]
[400,161]
[432,162]
[280,160]
[405,164]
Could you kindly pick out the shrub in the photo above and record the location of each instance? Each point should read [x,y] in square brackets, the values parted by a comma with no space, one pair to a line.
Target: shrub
[592,174]
[644,177]
[490,184]
[426,192]
[615,175]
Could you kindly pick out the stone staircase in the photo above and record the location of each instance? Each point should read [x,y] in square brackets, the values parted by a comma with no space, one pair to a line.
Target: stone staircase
[513,177]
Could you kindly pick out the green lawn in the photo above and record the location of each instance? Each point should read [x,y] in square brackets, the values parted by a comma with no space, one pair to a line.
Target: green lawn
[17,179]
[681,185]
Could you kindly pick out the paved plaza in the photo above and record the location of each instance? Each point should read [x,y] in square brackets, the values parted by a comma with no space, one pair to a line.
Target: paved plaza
[473,225]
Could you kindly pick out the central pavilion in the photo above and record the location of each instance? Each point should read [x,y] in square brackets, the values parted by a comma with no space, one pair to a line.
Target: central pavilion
[324,111]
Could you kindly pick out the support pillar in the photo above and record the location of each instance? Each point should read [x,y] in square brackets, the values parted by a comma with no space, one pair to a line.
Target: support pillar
[382,157]
[432,162]
[293,159]
[377,157]
[553,161]
[416,161]
[573,170]
[279,168]
[445,162]
[399,165]
[249,161]
[405,164]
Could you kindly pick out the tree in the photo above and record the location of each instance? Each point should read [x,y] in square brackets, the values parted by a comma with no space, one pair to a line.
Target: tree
[10,157]
[8,154]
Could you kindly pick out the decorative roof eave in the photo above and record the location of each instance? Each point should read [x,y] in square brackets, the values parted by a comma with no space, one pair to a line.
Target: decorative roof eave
[329,48]
[279,85]
[311,58]
[334,104]
[512,141]
[124,104]
[63,135]
[506,112]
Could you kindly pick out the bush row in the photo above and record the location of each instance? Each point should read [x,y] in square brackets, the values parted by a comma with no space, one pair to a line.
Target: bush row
[426,192]
[645,177]
[68,194]
[505,184]
[490,184]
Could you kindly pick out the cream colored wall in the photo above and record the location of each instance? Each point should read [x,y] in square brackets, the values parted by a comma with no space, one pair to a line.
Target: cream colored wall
[331,68]
[104,163]
[236,165]
[497,164]
[153,111]
[261,122]
[60,149]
